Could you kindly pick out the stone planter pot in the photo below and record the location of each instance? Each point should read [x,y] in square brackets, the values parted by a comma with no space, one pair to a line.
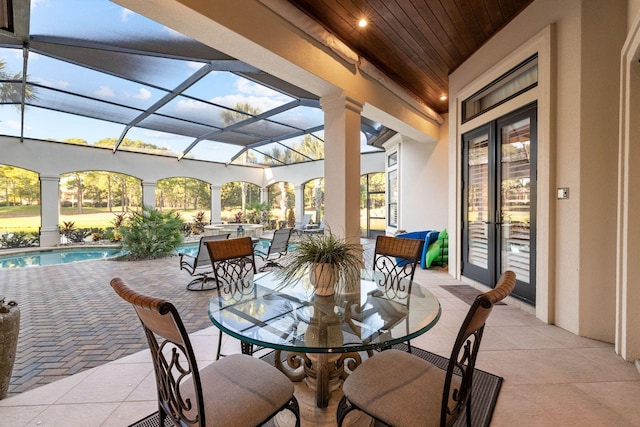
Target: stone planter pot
[9,328]
[323,279]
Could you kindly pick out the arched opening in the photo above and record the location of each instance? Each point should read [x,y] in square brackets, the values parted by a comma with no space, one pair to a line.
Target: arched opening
[281,199]
[235,198]
[19,207]
[314,199]
[92,203]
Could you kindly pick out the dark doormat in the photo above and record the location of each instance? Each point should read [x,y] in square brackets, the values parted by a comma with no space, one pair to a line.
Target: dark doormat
[485,390]
[465,292]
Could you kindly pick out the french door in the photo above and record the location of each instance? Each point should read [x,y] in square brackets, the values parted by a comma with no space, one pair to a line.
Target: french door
[499,193]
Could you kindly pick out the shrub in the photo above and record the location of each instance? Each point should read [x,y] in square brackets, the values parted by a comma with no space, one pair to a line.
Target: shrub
[67,229]
[152,234]
[199,221]
[19,239]
[78,235]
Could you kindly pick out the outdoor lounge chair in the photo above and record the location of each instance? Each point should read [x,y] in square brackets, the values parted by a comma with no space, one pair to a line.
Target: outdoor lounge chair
[277,249]
[238,391]
[313,229]
[400,389]
[199,266]
[306,219]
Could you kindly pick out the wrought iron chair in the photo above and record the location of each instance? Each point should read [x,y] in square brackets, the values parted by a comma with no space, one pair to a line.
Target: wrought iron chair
[277,249]
[400,389]
[232,261]
[396,258]
[191,397]
[199,266]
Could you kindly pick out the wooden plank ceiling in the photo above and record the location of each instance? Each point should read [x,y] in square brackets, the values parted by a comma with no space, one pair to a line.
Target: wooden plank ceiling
[416,43]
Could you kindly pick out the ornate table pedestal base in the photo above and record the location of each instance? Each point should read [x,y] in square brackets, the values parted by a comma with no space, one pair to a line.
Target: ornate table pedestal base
[324,375]
[322,372]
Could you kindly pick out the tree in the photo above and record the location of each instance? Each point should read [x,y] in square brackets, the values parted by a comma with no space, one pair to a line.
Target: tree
[242,111]
[11,91]
[111,142]
[77,141]
[187,193]
[314,197]
[19,186]
[311,146]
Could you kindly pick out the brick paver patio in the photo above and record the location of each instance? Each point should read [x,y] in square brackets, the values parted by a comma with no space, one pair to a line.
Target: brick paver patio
[71,320]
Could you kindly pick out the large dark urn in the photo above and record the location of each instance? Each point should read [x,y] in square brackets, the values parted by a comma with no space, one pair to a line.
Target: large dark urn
[9,328]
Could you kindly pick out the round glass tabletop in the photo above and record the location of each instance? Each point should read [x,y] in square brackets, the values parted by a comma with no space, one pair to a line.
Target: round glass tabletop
[375,314]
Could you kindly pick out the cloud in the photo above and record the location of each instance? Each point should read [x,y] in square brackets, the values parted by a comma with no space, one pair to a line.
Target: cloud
[59,84]
[35,3]
[11,124]
[197,65]
[197,109]
[143,94]
[104,92]
[261,103]
[125,14]
[249,87]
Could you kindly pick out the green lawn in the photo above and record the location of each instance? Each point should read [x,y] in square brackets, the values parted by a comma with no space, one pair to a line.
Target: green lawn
[27,218]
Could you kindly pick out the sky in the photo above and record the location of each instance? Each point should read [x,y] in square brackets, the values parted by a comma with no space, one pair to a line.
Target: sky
[103,20]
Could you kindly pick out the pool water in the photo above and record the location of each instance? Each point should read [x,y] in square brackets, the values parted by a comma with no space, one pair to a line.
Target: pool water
[67,255]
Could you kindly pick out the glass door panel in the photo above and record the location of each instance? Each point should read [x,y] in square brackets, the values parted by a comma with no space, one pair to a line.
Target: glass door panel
[478,198]
[516,199]
[478,201]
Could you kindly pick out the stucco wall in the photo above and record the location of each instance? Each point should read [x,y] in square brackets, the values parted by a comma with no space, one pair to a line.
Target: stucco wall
[633,8]
[424,192]
[53,159]
[586,38]
[603,34]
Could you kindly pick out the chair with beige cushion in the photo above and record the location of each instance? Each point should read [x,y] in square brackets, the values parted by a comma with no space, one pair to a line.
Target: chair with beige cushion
[395,259]
[239,390]
[400,389]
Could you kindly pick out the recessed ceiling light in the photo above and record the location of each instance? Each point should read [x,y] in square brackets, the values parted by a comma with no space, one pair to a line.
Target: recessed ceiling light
[362,23]
[443,98]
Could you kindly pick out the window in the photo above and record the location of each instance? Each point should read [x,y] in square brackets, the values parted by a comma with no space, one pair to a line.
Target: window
[511,84]
[392,160]
[393,198]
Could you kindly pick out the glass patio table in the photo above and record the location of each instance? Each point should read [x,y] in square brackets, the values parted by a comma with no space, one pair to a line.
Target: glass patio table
[319,339]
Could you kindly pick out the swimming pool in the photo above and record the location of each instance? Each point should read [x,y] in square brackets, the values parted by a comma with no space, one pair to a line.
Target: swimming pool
[67,255]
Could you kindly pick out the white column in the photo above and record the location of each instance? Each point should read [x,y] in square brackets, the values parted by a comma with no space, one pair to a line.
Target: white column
[264,195]
[149,194]
[216,204]
[299,207]
[49,210]
[342,165]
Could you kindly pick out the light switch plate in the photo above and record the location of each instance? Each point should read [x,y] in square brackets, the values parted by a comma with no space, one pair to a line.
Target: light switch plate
[563,193]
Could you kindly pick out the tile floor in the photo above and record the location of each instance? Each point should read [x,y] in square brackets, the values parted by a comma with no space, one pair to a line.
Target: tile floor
[551,377]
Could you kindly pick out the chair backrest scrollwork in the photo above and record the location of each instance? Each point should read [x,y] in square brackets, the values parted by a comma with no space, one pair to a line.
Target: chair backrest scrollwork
[459,377]
[174,361]
[232,260]
[396,258]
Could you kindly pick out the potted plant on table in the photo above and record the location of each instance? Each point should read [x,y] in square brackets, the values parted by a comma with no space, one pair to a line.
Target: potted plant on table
[330,260]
